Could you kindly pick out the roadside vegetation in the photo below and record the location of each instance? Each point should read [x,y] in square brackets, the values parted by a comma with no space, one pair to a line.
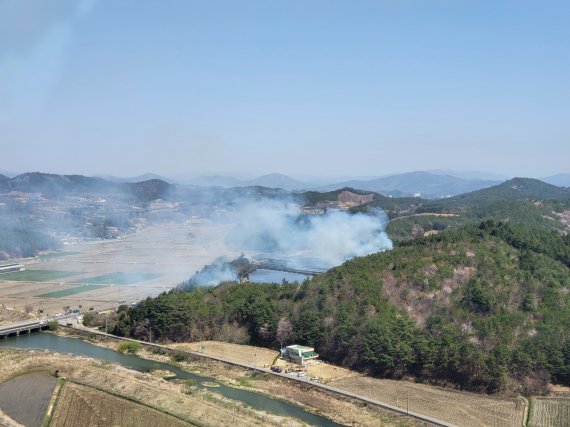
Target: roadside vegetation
[130,347]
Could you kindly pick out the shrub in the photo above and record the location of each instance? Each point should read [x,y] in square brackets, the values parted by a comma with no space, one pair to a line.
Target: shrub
[53,325]
[131,347]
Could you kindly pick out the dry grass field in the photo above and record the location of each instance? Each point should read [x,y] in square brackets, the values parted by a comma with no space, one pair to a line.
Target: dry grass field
[459,408]
[9,315]
[255,356]
[549,412]
[90,407]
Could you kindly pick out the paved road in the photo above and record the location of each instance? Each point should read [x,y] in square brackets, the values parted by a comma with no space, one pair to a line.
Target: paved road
[304,380]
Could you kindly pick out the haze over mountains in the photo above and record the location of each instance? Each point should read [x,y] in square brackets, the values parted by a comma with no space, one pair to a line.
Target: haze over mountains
[426,184]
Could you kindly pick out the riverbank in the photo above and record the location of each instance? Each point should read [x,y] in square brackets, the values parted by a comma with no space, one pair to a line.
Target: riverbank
[342,410]
[193,406]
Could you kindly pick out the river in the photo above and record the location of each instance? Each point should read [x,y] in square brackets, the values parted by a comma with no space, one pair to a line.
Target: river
[82,348]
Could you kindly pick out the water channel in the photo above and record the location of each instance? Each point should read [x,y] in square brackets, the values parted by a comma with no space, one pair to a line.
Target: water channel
[262,275]
[79,347]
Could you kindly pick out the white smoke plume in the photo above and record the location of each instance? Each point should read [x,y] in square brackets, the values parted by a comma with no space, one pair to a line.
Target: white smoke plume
[279,229]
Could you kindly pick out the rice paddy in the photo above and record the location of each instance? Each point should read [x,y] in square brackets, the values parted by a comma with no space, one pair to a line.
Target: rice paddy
[120,278]
[36,275]
[71,291]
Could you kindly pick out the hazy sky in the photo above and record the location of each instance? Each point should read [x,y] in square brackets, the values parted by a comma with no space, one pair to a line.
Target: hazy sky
[302,87]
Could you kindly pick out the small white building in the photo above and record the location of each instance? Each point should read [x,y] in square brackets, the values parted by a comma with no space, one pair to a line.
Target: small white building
[300,354]
[11,268]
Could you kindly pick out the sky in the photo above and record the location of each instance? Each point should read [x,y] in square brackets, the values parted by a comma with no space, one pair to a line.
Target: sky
[301,87]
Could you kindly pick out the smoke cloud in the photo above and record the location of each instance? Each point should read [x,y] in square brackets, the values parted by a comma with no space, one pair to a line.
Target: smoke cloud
[279,229]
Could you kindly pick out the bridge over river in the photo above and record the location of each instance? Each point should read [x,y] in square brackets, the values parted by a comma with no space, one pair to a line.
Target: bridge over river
[278,265]
[27,327]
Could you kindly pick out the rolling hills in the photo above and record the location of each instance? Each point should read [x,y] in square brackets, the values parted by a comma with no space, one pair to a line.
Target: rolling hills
[483,307]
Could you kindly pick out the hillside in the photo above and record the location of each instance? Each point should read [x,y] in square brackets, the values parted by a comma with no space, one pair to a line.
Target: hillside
[549,215]
[393,206]
[483,307]
[514,189]
[58,186]
[519,201]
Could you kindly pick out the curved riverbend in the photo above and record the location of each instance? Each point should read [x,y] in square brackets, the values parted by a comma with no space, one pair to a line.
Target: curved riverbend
[78,347]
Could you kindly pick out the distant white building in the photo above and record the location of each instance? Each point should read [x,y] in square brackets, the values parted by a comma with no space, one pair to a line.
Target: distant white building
[10,268]
[300,354]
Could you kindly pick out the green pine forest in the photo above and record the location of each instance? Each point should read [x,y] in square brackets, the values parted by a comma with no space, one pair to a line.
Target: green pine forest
[482,304]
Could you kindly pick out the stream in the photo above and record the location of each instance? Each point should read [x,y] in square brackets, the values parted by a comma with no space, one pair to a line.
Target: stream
[79,347]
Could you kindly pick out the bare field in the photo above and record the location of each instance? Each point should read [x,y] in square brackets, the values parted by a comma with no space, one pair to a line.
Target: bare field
[142,264]
[195,407]
[459,408]
[255,356]
[9,315]
[94,407]
[549,412]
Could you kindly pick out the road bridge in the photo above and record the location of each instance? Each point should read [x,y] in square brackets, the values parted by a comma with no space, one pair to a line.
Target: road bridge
[29,326]
[17,329]
[276,265]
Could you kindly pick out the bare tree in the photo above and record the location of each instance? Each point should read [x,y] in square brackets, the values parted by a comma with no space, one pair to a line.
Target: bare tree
[29,308]
[284,330]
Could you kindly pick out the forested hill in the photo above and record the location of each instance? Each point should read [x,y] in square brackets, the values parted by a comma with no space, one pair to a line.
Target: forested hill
[485,307]
[513,189]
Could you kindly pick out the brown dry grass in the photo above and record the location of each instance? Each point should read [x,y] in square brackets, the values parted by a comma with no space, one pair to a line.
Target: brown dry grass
[8,315]
[549,412]
[342,410]
[247,354]
[460,408]
[198,407]
[94,407]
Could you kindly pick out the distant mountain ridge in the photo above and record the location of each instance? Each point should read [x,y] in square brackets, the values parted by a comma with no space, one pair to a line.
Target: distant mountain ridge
[273,180]
[424,184]
[139,178]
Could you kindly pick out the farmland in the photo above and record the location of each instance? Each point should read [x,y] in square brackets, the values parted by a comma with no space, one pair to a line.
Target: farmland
[71,291]
[25,398]
[35,275]
[549,412]
[120,278]
[93,407]
[247,354]
[459,408]
[145,263]
[192,406]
